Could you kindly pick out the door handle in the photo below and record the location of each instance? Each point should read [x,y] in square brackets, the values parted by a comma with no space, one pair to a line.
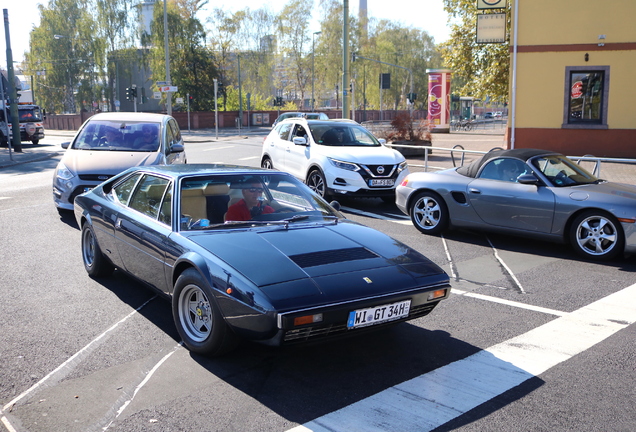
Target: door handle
[118,223]
[474,191]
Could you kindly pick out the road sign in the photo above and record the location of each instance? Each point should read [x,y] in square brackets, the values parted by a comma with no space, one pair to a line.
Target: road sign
[168,89]
[156,95]
[577,90]
[162,83]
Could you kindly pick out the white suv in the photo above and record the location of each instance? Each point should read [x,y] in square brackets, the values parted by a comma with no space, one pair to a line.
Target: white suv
[334,157]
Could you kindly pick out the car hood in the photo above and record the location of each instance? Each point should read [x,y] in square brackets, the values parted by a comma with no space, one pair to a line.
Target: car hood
[106,162]
[381,155]
[332,262]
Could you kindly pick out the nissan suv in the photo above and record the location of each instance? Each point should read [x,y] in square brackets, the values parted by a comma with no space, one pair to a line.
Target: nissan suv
[334,157]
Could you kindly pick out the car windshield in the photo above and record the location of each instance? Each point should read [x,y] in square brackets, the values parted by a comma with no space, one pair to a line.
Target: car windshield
[106,135]
[236,201]
[562,172]
[348,135]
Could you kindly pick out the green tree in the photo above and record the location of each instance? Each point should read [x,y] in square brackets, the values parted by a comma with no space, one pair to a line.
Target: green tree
[192,67]
[481,69]
[64,46]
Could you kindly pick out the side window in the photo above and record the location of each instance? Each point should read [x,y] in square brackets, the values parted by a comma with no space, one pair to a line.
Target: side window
[586,97]
[124,189]
[170,139]
[283,132]
[299,131]
[148,195]
[176,132]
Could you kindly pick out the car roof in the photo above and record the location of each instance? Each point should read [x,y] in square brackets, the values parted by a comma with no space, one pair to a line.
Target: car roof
[130,116]
[339,121]
[181,170]
[523,154]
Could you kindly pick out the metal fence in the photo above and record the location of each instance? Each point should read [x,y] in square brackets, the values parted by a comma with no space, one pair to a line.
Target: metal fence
[438,158]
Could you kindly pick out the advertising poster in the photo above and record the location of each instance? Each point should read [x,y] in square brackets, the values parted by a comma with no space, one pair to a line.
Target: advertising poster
[439,81]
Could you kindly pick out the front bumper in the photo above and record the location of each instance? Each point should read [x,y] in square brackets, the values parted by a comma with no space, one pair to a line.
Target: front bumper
[334,323]
[352,183]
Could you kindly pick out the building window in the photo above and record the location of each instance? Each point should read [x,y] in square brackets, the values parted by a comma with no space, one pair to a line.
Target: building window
[586,95]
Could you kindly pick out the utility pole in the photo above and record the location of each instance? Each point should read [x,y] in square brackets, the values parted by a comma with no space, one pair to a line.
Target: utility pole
[15,123]
[165,41]
[345,60]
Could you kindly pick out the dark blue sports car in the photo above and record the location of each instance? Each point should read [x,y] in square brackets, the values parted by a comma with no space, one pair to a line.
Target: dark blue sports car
[251,253]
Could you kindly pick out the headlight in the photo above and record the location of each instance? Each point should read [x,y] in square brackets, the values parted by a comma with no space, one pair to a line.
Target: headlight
[402,166]
[63,173]
[344,165]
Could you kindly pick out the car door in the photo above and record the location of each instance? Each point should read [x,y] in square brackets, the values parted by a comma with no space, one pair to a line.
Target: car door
[142,231]
[511,204]
[278,143]
[297,155]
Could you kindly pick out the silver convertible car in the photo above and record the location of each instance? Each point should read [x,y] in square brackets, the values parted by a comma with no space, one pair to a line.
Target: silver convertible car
[526,192]
[251,253]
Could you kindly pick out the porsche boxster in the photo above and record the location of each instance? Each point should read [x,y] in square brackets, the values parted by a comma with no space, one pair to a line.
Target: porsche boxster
[529,192]
[251,253]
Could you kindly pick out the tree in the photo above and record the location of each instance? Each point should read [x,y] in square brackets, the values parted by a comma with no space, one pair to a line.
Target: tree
[483,69]
[64,46]
[192,66]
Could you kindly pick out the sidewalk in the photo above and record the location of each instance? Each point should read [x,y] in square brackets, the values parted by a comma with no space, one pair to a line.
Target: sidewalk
[477,140]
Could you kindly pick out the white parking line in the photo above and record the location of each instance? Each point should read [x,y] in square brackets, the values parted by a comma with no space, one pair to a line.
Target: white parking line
[217,148]
[406,220]
[503,264]
[141,384]
[249,158]
[67,366]
[433,399]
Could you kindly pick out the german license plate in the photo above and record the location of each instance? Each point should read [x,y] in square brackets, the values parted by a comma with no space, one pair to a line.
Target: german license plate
[378,314]
[381,182]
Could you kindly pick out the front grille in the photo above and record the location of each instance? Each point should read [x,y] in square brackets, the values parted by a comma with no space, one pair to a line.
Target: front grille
[380,171]
[95,177]
[332,256]
[326,331]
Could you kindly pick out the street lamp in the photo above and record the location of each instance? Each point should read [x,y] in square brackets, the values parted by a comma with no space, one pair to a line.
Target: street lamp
[313,47]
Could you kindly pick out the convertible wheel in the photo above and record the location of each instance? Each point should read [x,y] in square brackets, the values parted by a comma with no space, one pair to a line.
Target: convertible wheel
[429,213]
[95,263]
[596,235]
[198,317]
[316,182]
[267,163]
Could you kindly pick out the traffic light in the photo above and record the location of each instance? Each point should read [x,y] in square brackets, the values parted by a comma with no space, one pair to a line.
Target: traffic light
[129,94]
[411,97]
[133,92]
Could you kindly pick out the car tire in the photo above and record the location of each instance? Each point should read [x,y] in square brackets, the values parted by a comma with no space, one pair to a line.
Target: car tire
[267,163]
[35,141]
[198,318]
[429,213]
[597,235]
[317,183]
[95,263]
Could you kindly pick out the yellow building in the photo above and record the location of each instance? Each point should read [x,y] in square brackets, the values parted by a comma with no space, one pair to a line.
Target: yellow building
[575,77]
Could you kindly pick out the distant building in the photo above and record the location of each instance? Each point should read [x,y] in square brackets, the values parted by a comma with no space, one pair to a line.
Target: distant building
[574,77]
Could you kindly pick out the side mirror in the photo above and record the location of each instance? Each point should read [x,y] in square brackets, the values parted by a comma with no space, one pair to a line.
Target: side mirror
[300,141]
[177,148]
[65,145]
[382,141]
[529,179]
[335,205]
